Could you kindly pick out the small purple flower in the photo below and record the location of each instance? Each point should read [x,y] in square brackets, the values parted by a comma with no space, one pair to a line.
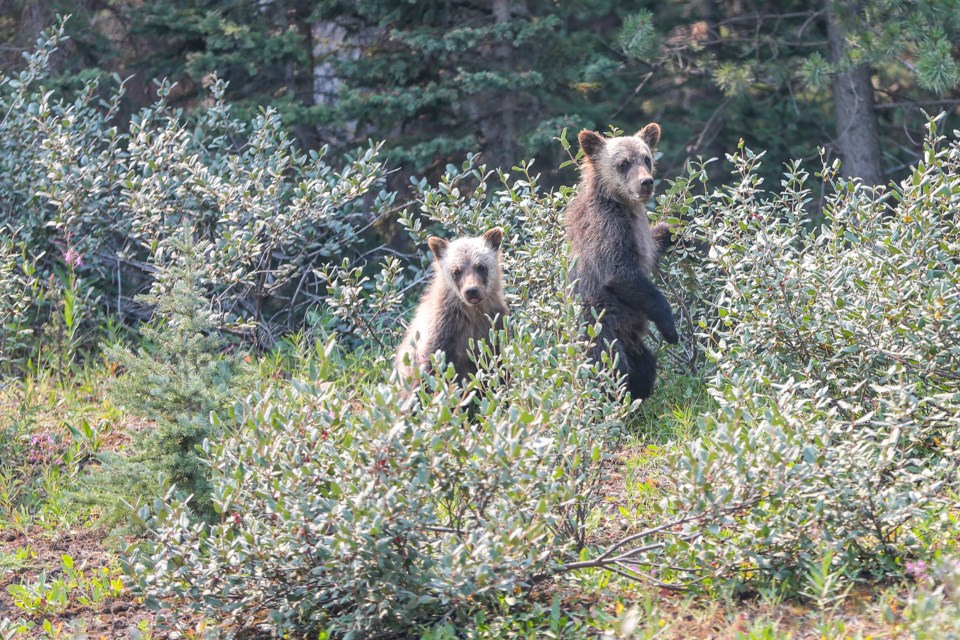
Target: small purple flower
[43,448]
[917,569]
[73,258]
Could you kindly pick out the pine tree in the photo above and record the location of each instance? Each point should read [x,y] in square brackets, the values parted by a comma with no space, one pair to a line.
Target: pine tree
[850,75]
[438,81]
[435,80]
[263,50]
[177,379]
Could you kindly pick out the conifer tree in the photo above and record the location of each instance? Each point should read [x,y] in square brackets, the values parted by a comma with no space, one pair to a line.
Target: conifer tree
[178,379]
[435,80]
[851,75]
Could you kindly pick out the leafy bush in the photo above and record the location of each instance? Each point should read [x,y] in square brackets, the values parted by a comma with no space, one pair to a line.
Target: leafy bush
[344,506]
[833,445]
[373,517]
[834,354]
[74,176]
[372,520]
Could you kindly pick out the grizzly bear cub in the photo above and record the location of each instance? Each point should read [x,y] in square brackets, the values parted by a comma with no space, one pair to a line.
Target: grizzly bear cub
[616,251]
[465,293]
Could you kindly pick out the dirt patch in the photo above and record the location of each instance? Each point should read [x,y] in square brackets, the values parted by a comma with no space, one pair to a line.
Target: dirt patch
[617,471]
[114,618]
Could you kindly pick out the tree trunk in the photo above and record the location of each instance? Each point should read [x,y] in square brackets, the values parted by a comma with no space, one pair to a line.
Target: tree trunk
[301,78]
[334,41]
[853,106]
[504,136]
[708,143]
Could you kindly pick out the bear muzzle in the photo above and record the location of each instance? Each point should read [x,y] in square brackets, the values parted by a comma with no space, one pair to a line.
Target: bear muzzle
[472,294]
[646,188]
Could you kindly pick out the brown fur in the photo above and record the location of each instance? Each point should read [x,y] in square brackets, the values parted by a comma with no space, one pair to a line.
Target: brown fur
[617,251]
[465,294]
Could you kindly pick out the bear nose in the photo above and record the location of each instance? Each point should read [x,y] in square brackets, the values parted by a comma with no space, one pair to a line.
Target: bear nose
[472,293]
[646,185]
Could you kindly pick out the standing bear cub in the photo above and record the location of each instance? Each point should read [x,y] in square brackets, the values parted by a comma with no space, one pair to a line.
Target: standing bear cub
[616,251]
[465,293]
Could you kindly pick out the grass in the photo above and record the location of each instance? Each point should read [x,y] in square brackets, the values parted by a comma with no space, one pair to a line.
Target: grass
[58,562]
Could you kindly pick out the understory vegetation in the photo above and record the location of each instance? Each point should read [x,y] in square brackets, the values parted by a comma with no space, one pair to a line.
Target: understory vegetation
[196,359]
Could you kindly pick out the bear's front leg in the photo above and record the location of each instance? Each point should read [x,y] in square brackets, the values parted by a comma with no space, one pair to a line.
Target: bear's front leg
[637,292]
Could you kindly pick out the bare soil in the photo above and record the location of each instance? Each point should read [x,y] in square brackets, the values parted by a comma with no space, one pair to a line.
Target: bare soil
[115,618]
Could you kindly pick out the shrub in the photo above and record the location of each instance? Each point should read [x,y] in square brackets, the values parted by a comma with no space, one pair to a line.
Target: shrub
[833,441]
[74,176]
[367,517]
[834,354]
[345,507]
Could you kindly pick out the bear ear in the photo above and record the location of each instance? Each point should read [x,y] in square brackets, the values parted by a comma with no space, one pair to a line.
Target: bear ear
[493,238]
[590,141]
[438,246]
[650,134]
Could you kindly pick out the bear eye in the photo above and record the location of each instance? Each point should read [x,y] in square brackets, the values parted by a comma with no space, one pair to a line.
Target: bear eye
[623,164]
[647,161]
[482,269]
[457,272]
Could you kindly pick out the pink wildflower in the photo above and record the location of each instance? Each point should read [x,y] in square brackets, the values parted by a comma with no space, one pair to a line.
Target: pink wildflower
[917,569]
[42,449]
[73,258]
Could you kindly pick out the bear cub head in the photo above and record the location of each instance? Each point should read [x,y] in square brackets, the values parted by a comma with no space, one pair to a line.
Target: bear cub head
[470,266]
[623,166]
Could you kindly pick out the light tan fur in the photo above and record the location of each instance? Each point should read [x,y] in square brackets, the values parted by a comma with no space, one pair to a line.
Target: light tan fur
[465,294]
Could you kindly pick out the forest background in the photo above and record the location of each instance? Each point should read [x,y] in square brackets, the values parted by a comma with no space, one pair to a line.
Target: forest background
[438,80]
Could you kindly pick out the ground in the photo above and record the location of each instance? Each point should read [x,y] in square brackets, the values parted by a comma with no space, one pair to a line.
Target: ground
[24,555]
